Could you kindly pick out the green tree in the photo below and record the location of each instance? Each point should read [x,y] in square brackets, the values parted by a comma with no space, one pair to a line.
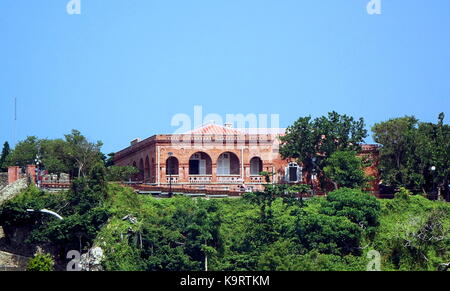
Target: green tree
[414,154]
[41,263]
[345,169]
[109,160]
[433,151]
[83,153]
[397,139]
[24,152]
[120,174]
[329,234]
[311,142]
[54,156]
[5,153]
[361,208]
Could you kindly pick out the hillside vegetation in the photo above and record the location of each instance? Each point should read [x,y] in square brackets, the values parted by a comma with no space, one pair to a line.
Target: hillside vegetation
[258,232]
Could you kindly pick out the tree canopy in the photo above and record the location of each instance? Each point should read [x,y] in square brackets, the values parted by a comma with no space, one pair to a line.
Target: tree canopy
[74,154]
[414,154]
[346,169]
[312,142]
[4,155]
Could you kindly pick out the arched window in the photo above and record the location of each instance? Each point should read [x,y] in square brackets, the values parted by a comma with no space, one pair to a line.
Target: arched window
[135,176]
[228,164]
[293,173]
[172,167]
[141,169]
[147,168]
[256,166]
[200,163]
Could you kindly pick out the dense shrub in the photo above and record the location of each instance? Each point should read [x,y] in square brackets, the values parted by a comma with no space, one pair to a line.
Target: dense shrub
[361,208]
[329,234]
[41,263]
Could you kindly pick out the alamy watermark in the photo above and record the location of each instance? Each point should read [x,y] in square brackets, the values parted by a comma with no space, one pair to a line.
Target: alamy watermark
[73,7]
[374,7]
[234,126]
[375,261]
[74,263]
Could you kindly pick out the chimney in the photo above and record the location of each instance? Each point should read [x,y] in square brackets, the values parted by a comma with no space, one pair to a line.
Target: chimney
[135,141]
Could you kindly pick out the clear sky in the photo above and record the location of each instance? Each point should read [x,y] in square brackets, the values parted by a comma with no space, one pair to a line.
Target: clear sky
[122,69]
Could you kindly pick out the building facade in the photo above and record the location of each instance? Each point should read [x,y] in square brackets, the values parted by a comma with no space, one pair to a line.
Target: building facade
[218,158]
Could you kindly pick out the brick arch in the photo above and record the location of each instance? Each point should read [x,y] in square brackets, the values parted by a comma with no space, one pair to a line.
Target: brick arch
[233,167]
[256,165]
[141,169]
[216,152]
[147,169]
[172,166]
[135,176]
[195,163]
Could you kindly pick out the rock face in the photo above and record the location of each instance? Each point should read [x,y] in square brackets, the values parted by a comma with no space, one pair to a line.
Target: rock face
[12,190]
[92,260]
[12,262]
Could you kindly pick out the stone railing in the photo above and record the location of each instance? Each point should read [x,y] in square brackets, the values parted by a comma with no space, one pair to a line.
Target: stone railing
[229,179]
[256,179]
[200,179]
[174,179]
[53,178]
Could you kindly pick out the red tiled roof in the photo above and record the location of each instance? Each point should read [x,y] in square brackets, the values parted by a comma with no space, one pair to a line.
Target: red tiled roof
[214,129]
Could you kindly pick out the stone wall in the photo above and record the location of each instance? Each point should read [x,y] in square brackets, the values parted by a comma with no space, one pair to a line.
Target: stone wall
[3,180]
[12,190]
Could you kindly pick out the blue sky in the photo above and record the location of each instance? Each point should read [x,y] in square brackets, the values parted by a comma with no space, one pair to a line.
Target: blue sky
[122,69]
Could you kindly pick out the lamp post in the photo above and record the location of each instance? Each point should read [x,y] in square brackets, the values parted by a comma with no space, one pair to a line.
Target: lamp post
[37,161]
[170,154]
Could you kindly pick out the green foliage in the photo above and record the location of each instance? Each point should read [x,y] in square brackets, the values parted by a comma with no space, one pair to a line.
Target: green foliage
[403,193]
[346,169]
[74,155]
[24,152]
[413,234]
[109,160]
[4,156]
[311,142]
[281,258]
[14,212]
[85,195]
[83,209]
[410,150]
[266,175]
[54,156]
[329,234]
[120,173]
[264,231]
[41,263]
[174,234]
[83,153]
[361,208]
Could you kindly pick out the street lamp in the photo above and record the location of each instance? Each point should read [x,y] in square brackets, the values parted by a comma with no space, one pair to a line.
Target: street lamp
[170,154]
[38,161]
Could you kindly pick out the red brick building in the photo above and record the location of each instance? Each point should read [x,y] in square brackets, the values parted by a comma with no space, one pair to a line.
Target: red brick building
[216,157]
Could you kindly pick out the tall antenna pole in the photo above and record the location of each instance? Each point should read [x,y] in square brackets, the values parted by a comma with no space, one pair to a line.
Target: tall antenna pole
[15,120]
